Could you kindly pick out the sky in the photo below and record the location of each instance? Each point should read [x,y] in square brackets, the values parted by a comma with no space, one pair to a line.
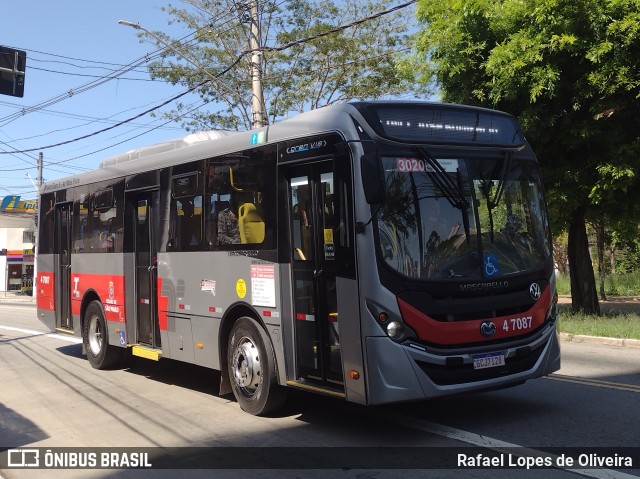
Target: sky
[64,40]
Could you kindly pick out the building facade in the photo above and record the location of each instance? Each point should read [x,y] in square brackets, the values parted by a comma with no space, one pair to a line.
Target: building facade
[17,246]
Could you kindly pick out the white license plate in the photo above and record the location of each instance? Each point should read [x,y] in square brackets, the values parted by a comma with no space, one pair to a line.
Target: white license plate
[490,360]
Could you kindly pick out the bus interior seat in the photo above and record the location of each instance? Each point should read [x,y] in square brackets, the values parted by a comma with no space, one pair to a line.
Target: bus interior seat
[250,224]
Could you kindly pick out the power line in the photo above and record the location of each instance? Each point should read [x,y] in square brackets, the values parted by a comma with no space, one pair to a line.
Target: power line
[83,88]
[86,75]
[93,84]
[238,59]
[139,135]
[89,120]
[180,95]
[338,29]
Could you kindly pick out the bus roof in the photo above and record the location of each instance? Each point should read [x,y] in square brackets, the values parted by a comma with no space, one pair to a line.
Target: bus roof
[202,145]
[198,146]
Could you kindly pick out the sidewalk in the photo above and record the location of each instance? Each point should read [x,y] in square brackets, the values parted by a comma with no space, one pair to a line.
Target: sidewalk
[13,297]
[601,340]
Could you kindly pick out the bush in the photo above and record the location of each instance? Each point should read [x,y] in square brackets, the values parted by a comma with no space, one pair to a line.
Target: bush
[563,283]
[619,284]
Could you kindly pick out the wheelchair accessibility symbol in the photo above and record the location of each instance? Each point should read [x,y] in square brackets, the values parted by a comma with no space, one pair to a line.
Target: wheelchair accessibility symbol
[491,265]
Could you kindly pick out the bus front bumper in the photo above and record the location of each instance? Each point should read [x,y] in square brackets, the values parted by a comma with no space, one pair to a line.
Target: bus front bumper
[408,372]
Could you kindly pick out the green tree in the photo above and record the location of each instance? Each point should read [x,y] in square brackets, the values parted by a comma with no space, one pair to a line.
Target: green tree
[570,71]
[358,62]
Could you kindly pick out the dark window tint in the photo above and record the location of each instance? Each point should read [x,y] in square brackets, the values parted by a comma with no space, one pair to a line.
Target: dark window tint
[240,201]
[46,219]
[186,208]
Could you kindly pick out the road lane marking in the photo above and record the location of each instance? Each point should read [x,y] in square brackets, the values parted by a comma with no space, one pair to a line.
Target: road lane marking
[495,444]
[595,382]
[451,432]
[31,332]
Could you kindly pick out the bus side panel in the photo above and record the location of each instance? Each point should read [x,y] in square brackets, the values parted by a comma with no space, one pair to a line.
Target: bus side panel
[108,284]
[206,328]
[196,290]
[391,373]
[129,271]
[286,362]
[45,291]
[177,339]
[350,337]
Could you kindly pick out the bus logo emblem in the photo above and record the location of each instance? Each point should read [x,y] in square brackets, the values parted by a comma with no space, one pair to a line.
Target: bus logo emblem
[535,291]
[488,329]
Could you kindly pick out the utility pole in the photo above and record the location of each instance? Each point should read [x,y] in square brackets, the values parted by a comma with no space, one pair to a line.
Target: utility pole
[258,119]
[39,178]
[258,115]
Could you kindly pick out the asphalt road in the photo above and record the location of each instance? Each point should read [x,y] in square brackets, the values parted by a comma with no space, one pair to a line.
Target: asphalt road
[50,397]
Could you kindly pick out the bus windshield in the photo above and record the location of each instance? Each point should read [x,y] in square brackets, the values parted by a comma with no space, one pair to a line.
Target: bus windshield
[462,217]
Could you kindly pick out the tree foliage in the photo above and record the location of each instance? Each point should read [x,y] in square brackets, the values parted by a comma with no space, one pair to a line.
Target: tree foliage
[359,62]
[570,71]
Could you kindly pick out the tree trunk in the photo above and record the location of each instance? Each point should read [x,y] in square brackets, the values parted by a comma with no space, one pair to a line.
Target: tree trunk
[612,252]
[583,286]
[599,227]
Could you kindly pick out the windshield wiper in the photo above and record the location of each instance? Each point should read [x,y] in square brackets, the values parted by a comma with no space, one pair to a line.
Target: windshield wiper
[452,190]
[486,187]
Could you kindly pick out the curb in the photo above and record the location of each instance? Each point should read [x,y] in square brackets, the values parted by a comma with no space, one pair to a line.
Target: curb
[17,299]
[619,342]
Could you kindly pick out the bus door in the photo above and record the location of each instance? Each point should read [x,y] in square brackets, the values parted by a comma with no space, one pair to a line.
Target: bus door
[145,208]
[313,222]
[63,293]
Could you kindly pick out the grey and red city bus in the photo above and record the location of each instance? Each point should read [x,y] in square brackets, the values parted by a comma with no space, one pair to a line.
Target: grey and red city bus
[372,251]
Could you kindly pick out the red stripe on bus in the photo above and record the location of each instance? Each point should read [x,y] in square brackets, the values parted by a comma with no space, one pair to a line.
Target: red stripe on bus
[163,306]
[461,332]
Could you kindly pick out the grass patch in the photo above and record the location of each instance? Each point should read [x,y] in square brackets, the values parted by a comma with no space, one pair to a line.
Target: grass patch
[623,284]
[625,326]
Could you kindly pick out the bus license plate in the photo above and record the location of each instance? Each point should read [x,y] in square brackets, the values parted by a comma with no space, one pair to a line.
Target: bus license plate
[491,360]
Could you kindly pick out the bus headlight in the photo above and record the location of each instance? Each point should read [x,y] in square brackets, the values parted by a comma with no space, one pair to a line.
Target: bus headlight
[394,329]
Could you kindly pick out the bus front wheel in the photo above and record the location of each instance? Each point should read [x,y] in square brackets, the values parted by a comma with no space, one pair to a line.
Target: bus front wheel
[252,369]
[95,338]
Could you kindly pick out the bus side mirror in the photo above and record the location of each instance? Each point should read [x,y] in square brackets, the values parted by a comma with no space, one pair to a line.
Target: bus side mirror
[372,178]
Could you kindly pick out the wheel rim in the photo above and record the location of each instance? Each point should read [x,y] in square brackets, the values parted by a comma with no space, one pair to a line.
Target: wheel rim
[246,367]
[95,335]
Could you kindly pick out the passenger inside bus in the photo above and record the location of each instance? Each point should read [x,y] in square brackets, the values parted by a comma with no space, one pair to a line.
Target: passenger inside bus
[228,231]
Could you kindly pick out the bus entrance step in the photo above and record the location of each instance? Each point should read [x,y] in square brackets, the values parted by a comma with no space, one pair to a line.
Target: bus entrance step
[146,352]
[318,388]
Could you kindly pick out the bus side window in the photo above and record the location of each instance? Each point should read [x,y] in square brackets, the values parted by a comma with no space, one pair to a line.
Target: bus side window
[46,227]
[103,220]
[240,200]
[189,229]
[187,209]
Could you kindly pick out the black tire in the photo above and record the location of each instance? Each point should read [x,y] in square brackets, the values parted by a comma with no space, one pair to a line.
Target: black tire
[252,369]
[95,338]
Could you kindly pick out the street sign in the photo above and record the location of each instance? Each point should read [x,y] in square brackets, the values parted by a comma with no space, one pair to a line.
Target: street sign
[12,67]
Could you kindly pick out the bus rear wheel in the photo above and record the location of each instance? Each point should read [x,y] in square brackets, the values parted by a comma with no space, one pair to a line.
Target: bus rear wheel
[95,338]
[252,369]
